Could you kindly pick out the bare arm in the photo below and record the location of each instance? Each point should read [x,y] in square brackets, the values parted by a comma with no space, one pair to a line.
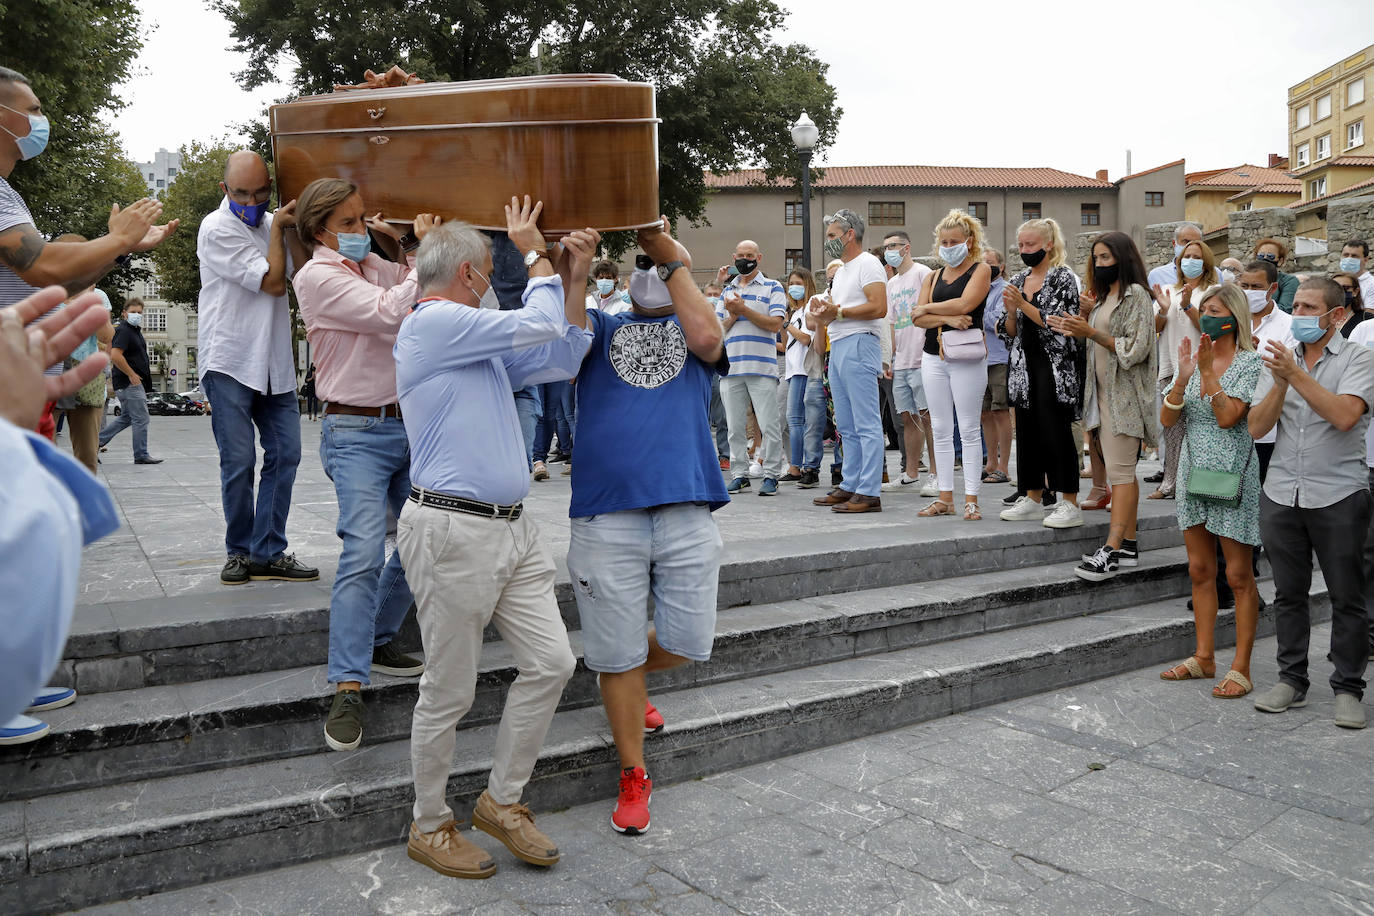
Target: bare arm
[122,364]
[875,304]
[975,294]
[76,265]
[1265,414]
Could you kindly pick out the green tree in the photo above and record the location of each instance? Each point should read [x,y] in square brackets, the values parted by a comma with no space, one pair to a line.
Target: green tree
[726,91]
[192,195]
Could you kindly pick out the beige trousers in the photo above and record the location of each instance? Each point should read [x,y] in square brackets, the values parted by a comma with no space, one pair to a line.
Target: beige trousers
[466,571]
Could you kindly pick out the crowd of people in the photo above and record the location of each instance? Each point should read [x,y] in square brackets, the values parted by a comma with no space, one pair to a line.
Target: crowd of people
[448,361]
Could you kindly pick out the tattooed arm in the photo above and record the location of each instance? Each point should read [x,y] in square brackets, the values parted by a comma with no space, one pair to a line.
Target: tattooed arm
[77,265]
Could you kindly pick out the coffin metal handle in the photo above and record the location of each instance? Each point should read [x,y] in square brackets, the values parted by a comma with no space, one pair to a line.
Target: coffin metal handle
[379,140]
[376,113]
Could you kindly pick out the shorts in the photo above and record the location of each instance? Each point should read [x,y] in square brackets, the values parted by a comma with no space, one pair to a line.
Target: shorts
[908,391]
[995,397]
[617,559]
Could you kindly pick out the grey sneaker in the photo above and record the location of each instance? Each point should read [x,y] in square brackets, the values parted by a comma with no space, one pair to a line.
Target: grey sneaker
[1349,711]
[387,659]
[284,568]
[1279,698]
[343,730]
[235,572]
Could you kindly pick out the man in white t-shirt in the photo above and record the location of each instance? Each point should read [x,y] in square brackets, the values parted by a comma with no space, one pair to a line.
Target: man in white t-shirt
[855,313]
[1260,280]
[903,289]
[1364,336]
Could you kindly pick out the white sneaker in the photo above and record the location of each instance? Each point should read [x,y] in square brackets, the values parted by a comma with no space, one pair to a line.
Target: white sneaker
[1025,509]
[931,487]
[1065,515]
[755,470]
[903,483]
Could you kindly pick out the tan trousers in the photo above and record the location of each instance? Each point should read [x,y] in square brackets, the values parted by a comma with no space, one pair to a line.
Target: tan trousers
[83,425]
[465,571]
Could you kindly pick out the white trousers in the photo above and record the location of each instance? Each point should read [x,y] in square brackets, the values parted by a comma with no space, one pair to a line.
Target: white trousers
[954,389]
[464,571]
[736,393]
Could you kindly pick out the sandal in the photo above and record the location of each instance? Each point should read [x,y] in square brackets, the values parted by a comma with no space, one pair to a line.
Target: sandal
[996,477]
[1192,671]
[1160,494]
[938,507]
[972,513]
[1222,693]
[1095,501]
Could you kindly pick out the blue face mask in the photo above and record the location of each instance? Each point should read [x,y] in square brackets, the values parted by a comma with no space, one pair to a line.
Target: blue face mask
[249,213]
[1192,268]
[1308,329]
[796,291]
[893,258]
[1350,265]
[954,255]
[605,287]
[353,245]
[1178,249]
[37,139]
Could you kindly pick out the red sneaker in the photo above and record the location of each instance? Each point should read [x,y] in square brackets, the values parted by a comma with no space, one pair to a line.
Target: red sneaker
[631,814]
[653,719]
[725,464]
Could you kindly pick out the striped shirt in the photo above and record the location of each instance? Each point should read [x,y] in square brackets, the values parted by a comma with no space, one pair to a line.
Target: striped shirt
[14,212]
[752,350]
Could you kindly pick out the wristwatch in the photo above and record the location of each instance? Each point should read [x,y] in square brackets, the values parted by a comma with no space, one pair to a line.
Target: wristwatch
[666,270]
[532,257]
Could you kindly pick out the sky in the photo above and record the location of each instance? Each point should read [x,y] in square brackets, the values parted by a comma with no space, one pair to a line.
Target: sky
[1071,84]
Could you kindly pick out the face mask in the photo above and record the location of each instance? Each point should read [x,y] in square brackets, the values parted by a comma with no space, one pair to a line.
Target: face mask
[488,299]
[1350,265]
[1228,276]
[954,255]
[745,266]
[249,213]
[135,319]
[1271,258]
[996,272]
[1215,326]
[1032,258]
[1350,298]
[1308,328]
[834,248]
[353,245]
[605,287]
[1106,273]
[1259,300]
[714,300]
[1192,268]
[37,139]
[1178,250]
[796,291]
[893,258]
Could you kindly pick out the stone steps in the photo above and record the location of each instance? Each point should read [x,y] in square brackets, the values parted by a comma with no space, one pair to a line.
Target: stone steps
[115,841]
[164,730]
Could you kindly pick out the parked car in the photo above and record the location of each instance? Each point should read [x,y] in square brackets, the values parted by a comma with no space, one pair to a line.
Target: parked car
[169,404]
[112,405]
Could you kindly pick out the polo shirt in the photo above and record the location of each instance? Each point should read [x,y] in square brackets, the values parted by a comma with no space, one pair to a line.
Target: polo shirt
[752,350]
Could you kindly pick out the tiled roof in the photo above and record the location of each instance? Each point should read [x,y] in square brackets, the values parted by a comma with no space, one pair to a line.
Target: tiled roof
[1291,186]
[1242,176]
[1338,162]
[1158,168]
[1344,192]
[917,176]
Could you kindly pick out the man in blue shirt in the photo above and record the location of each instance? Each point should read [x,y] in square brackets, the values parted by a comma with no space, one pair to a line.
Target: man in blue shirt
[471,555]
[643,489]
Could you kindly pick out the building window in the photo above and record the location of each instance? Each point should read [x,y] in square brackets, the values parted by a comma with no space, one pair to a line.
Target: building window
[161,183]
[1091,214]
[1323,146]
[792,258]
[1154,198]
[1354,135]
[886,213]
[191,362]
[151,176]
[151,290]
[1354,92]
[171,172]
[1324,107]
[154,359]
[1303,155]
[1030,211]
[978,209]
[1302,117]
[1248,205]
[155,320]
[792,214]
[1316,187]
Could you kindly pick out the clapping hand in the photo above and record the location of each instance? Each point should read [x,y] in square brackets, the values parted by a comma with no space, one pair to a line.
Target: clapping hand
[1012,298]
[1187,361]
[1070,325]
[822,309]
[1161,298]
[1087,301]
[131,224]
[733,303]
[1204,353]
[1282,362]
[27,349]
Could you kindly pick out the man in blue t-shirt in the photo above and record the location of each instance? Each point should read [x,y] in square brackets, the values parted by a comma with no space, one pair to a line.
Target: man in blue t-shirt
[643,489]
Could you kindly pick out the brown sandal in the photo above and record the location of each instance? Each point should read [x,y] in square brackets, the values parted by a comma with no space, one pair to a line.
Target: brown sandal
[937,507]
[1192,671]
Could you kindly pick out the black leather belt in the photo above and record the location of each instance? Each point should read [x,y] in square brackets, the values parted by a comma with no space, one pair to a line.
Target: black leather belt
[458,504]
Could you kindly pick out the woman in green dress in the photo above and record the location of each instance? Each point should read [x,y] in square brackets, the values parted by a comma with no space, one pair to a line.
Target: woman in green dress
[1211,393]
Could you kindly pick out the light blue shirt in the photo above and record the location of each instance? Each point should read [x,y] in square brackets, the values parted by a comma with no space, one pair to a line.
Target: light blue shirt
[455,369]
[752,350]
[49,507]
[992,313]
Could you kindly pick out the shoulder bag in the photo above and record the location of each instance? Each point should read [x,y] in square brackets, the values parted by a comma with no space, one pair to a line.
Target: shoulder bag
[1221,487]
[960,346]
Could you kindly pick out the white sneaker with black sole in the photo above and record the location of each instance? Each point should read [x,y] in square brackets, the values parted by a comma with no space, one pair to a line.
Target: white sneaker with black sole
[1103,564]
[1128,554]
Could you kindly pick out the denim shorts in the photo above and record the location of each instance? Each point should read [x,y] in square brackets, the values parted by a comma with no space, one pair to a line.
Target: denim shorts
[616,560]
[908,391]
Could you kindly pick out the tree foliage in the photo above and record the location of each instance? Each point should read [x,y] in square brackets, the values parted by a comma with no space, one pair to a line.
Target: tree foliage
[76,53]
[192,195]
[726,91]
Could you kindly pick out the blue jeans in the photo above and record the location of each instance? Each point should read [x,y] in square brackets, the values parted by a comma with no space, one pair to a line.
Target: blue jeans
[855,362]
[368,459]
[805,421]
[234,410]
[557,398]
[133,411]
[527,408]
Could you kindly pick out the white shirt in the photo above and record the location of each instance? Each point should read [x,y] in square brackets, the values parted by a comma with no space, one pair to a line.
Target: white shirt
[1366,281]
[244,332]
[614,304]
[1177,326]
[1277,325]
[848,292]
[1364,335]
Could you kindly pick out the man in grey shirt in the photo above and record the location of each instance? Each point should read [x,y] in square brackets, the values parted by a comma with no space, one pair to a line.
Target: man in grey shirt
[1316,496]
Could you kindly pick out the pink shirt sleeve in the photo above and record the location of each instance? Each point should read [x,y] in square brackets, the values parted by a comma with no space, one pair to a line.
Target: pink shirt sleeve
[337,298]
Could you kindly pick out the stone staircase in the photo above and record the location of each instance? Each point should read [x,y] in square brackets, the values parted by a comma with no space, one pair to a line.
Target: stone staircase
[209,761]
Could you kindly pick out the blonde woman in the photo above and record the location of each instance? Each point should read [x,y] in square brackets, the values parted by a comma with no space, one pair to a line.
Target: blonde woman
[1044,378]
[1212,390]
[952,298]
[1176,320]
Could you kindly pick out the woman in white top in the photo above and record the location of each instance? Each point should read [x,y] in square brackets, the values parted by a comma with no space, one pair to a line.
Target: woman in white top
[1176,320]
[805,397]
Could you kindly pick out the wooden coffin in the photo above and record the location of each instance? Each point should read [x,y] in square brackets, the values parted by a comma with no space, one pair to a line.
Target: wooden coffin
[585,144]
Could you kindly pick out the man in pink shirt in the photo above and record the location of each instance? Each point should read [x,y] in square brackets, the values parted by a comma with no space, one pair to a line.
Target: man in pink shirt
[353,302]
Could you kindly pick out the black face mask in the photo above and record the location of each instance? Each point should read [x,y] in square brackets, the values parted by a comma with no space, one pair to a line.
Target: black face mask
[995,271]
[1032,258]
[1350,299]
[745,266]
[1106,274]
[643,262]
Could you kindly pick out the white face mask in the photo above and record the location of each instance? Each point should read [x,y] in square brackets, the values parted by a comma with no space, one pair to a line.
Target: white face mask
[488,299]
[1259,300]
[135,318]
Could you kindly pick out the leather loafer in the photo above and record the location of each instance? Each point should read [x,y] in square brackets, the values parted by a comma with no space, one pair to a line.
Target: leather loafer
[148,460]
[859,503]
[833,498]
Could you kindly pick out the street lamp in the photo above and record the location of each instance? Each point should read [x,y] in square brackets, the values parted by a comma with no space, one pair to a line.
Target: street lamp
[804,136]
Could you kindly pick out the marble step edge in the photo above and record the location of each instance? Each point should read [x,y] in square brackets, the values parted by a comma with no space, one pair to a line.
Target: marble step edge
[156,731]
[86,848]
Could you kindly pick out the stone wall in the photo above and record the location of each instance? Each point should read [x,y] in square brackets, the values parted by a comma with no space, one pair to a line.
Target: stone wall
[1080,249]
[1346,219]
[1245,227]
[1159,243]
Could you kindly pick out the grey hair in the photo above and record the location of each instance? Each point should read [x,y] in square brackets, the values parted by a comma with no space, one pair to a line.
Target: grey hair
[444,250]
[850,219]
[9,77]
[1181,226]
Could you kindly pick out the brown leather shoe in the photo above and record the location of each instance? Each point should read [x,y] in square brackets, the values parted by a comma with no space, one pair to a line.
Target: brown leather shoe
[833,498]
[858,504]
[448,853]
[514,826]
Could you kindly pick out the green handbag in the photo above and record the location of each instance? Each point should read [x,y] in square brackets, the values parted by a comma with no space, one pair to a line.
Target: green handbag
[1221,487]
